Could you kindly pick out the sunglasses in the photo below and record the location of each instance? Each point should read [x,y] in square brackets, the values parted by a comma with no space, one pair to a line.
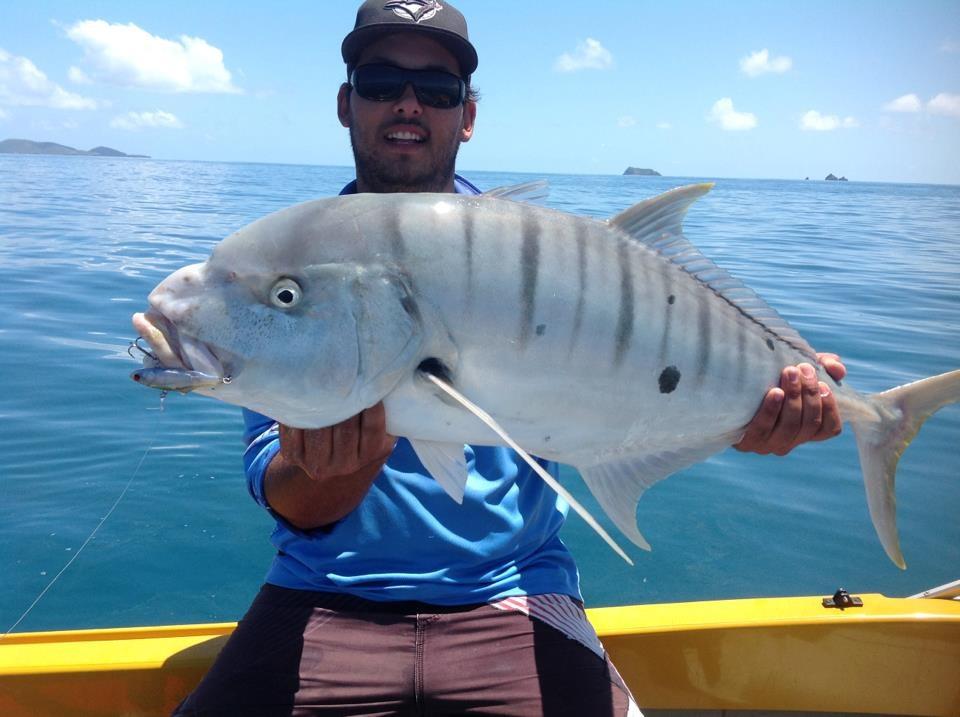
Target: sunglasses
[433,88]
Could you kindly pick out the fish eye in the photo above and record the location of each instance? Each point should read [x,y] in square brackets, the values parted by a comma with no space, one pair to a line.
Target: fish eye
[285,294]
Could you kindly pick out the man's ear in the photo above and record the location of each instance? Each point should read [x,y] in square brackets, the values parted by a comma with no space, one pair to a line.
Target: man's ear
[469,117]
[343,104]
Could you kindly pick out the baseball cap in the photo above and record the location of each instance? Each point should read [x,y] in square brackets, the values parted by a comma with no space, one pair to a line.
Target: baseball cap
[440,20]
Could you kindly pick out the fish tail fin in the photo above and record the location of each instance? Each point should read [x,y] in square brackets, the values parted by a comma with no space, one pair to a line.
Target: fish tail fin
[884,433]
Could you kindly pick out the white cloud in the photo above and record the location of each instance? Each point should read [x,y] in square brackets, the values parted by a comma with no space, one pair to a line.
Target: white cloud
[23,84]
[138,120]
[3,114]
[589,55]
[945,104]
[664,125]
[817,122]
[760,62]
[78,76]
[723,113]
[626,121]
[904,103]
[129,56]
[950,46]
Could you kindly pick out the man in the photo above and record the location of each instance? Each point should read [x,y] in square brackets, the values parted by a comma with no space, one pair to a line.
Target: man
[385,596]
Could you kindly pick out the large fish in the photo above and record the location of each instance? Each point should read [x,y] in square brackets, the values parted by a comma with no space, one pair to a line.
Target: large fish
[615,347]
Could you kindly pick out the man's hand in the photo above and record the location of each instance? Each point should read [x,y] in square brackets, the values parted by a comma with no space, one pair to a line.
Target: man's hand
[353,446]
[320,475]
[802,409]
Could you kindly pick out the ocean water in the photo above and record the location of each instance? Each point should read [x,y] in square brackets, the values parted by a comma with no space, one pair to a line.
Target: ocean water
[869,271]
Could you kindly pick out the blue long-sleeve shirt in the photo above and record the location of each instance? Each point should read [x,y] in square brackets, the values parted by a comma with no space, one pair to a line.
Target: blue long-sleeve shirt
[408,540]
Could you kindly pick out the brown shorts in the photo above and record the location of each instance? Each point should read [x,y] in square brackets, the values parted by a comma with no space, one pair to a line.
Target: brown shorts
[310,653]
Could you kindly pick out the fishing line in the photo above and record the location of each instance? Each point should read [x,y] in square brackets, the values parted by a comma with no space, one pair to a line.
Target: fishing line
[89,537]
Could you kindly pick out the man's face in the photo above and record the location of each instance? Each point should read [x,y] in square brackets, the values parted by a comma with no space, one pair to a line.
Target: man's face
[402,145]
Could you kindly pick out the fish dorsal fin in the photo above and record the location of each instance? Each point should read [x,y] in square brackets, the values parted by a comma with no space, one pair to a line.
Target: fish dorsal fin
[658,223]
[531,192]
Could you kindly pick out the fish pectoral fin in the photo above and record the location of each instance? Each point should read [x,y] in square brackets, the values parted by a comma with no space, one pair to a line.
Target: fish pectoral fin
[446,463]
[618,484]
[536,467]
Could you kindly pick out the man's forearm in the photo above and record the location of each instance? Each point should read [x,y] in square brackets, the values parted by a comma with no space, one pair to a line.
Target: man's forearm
[309,503]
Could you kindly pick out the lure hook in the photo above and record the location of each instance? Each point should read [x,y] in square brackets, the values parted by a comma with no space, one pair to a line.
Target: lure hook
[135,344]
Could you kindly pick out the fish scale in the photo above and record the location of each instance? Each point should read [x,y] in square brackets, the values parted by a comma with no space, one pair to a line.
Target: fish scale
[615,347]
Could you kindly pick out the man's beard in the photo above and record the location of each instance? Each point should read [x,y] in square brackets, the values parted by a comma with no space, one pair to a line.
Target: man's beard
[378,174]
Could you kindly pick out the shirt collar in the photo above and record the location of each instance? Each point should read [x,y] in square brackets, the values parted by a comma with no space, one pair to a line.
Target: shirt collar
[460,186]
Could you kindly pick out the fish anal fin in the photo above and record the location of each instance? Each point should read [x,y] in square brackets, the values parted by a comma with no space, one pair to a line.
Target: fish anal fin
[618,484]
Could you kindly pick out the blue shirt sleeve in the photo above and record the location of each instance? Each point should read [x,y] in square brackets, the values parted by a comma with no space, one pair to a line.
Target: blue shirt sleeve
[262,438]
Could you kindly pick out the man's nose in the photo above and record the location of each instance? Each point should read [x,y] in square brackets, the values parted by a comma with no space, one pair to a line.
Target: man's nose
[408,104]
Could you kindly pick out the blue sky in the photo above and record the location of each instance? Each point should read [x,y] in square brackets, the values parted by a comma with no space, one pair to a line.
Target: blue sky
[870,90]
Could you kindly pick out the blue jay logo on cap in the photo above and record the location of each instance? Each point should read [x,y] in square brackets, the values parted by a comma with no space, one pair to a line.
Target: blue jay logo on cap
[415,10]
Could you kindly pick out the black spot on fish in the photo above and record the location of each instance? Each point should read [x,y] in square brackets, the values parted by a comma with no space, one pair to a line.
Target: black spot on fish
[541,329]
[546,439]
[669,378]
[770,344]
[671,299]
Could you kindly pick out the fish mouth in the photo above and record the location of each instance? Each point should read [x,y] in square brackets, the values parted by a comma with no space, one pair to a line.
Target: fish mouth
[171,349]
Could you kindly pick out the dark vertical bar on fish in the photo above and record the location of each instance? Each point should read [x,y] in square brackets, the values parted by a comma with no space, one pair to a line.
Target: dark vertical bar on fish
[741,355]
[529,266]
[469,228]
[394,232]
[625,313]
[704,325]
[580,237]
[670,310]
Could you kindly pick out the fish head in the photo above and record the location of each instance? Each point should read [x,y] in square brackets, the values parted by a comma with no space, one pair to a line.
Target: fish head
[307,343]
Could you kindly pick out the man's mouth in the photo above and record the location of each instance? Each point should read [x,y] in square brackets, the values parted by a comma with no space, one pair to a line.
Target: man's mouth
[406,136]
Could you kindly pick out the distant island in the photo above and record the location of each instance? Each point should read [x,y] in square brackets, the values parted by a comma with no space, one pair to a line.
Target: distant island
[641,172]
[26,146]
[832,178]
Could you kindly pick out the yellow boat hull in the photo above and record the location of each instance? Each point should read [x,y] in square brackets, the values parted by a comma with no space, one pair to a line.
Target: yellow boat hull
[890,656]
